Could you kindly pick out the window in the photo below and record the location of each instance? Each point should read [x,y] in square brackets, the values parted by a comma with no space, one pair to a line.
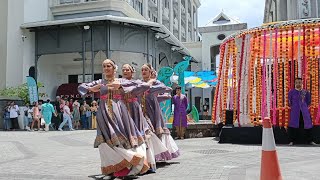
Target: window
[221,37]
[166,4]
[138,6]
[78,78]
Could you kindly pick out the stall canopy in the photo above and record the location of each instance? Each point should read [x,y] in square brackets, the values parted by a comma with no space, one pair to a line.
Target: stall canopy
[200,79]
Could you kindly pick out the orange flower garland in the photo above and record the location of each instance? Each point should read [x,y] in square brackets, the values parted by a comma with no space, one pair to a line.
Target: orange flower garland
[234,79]
[313,74]
[288,58]
[216,95]
[225,85]
[286,83]
[251,78]
[258,83]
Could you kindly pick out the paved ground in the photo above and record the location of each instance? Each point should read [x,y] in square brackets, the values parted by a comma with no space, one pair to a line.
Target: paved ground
[70,155]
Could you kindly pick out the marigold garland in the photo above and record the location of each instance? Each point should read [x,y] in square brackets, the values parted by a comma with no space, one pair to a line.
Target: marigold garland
[295,54]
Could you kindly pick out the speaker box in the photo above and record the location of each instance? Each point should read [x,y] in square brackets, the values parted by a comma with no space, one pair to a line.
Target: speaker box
[229,117]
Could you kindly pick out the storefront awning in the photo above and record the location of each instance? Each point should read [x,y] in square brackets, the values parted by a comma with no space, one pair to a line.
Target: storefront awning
[70,91]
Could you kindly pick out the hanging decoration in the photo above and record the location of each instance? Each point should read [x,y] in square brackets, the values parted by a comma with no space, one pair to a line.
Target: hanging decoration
[255,76]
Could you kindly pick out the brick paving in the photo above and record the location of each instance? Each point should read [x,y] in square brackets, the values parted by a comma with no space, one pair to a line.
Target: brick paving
[70,155]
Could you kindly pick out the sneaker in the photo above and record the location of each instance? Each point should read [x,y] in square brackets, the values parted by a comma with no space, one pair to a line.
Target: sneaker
[60,129]
[313,143]
[31,130]
[71,129]
[291,144]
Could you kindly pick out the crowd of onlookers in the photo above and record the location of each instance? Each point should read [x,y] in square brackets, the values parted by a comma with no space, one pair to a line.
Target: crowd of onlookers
[76,114]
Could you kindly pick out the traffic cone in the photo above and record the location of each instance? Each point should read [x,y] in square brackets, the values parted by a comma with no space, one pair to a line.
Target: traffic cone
[270,168]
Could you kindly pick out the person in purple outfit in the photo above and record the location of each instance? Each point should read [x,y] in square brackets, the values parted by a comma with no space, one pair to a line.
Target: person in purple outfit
[299,101]
[180,113]
[151,109]
[121,145]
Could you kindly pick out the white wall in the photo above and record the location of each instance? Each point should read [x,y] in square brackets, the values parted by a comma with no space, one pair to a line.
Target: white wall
[14,44]
[28,52]
[36,10]
[3,41]
[208,40]
[195,49]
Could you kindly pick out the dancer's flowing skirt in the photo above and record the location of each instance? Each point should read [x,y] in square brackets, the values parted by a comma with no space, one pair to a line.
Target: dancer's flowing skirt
[172,147]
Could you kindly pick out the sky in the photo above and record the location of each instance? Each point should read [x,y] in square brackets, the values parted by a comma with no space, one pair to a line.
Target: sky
[247,11]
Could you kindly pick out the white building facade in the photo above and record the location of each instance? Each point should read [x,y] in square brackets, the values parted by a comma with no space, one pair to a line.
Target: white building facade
[65,41]
[284,10]
[207,51]
[178,16]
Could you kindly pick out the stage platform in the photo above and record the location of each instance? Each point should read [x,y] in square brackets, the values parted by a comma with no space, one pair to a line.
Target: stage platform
[253,135]
[203,128]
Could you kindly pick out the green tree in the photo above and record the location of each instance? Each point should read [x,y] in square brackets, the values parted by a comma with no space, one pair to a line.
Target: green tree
[20,91]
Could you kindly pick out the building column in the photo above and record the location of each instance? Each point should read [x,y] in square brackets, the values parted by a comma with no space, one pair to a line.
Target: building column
[192,22]
[145,7]
[197,27]
[179,19]
[187,19]
[160,11]
[171,15]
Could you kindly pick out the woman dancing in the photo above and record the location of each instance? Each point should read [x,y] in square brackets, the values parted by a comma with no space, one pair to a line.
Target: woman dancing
[121,145]
[156,148]
[151,108]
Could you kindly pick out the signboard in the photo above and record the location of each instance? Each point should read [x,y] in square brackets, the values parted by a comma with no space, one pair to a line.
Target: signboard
[33,90]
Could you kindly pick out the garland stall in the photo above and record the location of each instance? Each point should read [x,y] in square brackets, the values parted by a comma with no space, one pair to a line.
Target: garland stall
[258,67]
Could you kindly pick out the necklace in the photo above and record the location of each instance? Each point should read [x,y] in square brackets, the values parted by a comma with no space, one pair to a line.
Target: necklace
[109,80]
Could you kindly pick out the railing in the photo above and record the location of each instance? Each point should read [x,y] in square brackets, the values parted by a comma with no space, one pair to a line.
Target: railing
[66,2]
[154,2]
[183,10]
[166,12]
[175,23]
[183,31]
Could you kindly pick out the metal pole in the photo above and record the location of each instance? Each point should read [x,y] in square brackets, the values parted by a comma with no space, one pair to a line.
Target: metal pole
[83,56]
[36,57]
[92,59]
[148,61]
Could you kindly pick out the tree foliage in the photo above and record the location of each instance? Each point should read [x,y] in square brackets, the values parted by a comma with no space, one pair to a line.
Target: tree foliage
[20,91]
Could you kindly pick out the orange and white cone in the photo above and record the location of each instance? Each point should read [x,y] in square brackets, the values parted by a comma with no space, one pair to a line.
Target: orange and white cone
[270,168]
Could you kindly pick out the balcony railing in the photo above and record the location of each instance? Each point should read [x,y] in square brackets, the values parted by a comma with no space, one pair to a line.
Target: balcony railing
[183,10]
[153,3]
[183,31]
[166,13]
[175,23]
[66,2]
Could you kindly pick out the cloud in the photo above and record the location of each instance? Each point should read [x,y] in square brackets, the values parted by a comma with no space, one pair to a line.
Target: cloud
[247,11]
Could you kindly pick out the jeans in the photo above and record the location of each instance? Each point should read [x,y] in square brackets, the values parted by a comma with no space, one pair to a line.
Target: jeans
[65,119]
[27,121]
[84,121]
[6,123]
[89,119]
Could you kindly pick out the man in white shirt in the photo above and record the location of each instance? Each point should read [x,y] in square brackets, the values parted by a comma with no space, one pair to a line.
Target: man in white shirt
[14,113]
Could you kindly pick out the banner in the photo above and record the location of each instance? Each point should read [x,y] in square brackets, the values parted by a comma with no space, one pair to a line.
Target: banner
[33,89]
